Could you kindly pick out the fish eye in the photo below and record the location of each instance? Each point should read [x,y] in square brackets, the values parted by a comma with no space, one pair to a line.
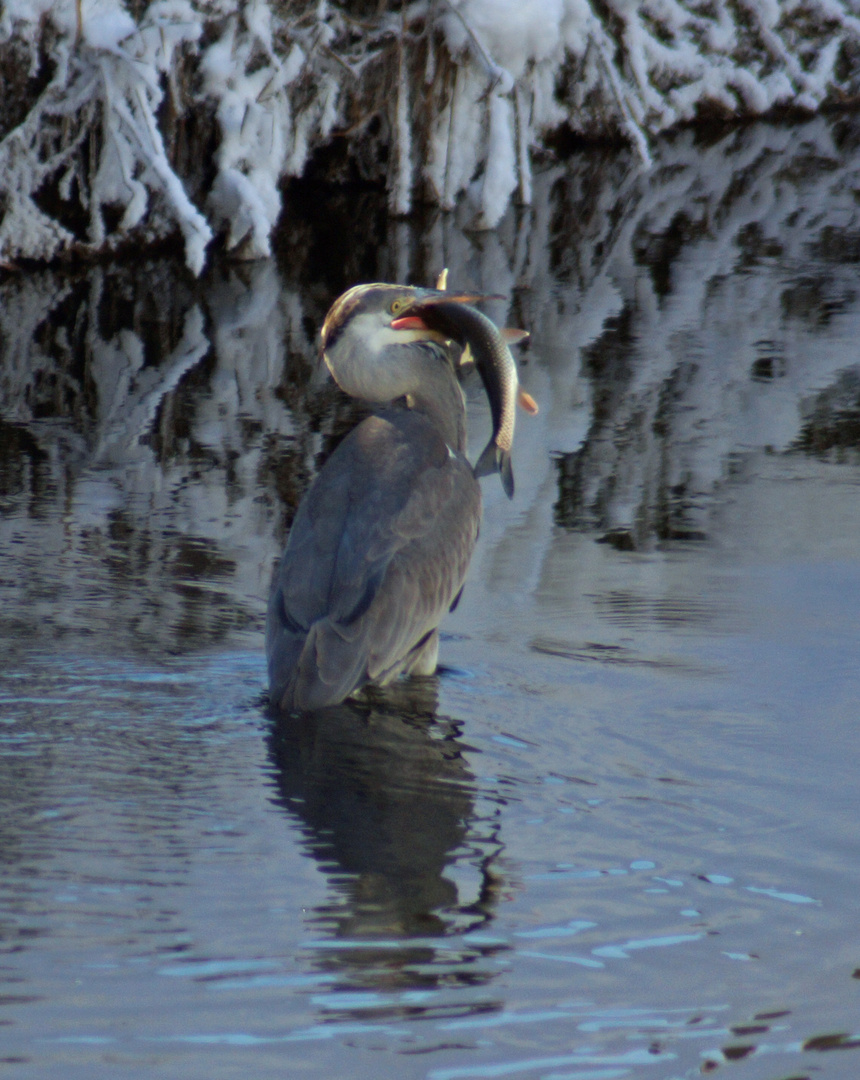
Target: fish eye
[398,305]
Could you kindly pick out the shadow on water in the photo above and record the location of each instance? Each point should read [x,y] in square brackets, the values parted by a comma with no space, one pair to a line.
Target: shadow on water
[388,810]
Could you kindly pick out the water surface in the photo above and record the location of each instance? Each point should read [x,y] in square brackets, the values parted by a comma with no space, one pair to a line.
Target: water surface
[617,836]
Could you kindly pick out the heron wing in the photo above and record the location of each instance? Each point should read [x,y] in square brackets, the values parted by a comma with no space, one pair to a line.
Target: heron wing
[378,550]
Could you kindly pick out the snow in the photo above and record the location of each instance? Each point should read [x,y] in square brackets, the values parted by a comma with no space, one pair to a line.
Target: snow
[466,90]
[500,177]
[105,30]
[512,32]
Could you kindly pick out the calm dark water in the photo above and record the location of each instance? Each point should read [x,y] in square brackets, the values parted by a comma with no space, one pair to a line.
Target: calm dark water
[618,836]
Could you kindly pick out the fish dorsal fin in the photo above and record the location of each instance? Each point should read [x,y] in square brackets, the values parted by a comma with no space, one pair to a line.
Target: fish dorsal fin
[466,357]
[509,335]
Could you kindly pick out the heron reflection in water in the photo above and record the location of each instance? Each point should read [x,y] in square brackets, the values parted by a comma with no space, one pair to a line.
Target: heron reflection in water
[387,806]
[381,543]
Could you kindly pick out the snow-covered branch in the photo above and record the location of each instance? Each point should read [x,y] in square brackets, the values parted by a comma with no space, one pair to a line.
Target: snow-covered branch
[130,120]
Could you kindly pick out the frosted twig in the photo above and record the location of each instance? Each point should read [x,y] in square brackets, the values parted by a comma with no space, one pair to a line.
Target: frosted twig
[494,73]
[832,9]
[194,226]
[776,47]
[353,74]
[637,135]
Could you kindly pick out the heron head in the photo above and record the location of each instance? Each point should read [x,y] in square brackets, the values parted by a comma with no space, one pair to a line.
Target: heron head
[375,345]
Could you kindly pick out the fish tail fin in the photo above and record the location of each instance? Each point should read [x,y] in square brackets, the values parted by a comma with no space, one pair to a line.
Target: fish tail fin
[494,459]
[506,468]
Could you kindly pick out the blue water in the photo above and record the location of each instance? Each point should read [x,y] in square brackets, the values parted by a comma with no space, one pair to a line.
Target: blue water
[615,837]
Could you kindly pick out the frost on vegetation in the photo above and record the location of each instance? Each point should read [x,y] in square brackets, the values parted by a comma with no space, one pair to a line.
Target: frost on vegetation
[89,163]
[143,120]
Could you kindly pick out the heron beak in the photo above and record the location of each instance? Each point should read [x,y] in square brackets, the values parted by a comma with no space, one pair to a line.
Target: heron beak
[409,322]
[413,321]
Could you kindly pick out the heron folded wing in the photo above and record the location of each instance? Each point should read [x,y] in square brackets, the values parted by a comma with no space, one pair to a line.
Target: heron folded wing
[377,553]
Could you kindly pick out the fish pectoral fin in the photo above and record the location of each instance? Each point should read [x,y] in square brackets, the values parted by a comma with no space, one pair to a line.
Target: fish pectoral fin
[527,403]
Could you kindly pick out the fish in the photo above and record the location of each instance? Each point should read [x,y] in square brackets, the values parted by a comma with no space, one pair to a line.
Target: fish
[512,337]
[489,348]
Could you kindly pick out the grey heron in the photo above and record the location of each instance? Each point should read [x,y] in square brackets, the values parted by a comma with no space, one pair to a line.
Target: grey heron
[381,543]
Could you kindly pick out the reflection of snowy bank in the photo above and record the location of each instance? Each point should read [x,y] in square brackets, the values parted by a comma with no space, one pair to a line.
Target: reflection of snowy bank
[148,469]
[179,117]
[157,435]
[736,305]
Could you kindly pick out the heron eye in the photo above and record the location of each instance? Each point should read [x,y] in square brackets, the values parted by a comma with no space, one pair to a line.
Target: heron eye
[397,305]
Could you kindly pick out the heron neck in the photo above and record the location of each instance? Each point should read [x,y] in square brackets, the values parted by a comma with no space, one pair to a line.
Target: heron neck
[438,396]
[418,371]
